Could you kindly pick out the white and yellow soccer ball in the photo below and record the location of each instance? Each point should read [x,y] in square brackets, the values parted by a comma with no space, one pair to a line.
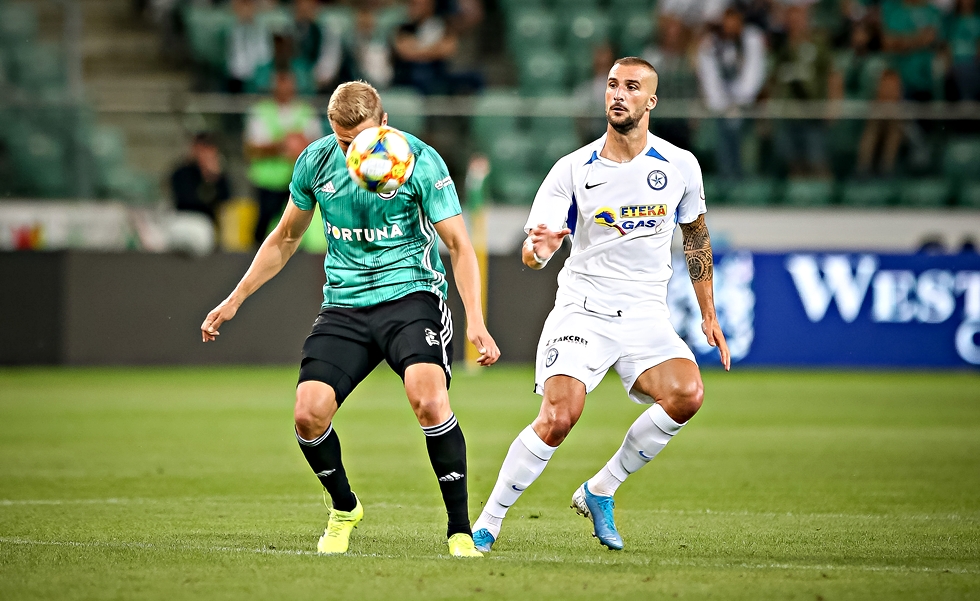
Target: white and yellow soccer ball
[380,159]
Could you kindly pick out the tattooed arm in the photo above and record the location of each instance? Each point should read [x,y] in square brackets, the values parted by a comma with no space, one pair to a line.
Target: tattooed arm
[700,265]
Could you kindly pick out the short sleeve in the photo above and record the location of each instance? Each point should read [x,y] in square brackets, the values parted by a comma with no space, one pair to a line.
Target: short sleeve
[301,186]
[553,199]
[435,187]
[692,203]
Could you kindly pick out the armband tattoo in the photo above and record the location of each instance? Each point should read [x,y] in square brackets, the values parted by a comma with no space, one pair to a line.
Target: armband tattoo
[697,250]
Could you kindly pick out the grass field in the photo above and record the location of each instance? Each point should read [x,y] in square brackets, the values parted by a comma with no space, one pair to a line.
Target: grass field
[187,483]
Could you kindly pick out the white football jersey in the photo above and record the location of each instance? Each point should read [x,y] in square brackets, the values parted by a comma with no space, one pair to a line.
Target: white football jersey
[622,217]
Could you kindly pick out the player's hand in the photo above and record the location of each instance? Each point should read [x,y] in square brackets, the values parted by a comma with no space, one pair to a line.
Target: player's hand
[219,315]
[545,242]
[712,330]
[483,341]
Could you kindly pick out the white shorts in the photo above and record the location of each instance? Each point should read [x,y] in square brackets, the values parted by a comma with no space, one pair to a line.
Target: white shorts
[584,344]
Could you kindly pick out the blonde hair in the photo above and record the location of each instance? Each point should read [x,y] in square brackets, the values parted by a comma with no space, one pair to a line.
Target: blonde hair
[353,103]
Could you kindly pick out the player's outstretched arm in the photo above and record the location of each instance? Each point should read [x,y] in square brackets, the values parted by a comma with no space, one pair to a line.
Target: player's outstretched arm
[269,260]
[541,244]
[466,271]
[700,266]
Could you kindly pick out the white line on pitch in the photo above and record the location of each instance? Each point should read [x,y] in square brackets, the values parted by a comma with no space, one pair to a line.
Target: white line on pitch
[497,557]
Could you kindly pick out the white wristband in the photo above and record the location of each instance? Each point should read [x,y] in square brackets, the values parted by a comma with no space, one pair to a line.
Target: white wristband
[539,260]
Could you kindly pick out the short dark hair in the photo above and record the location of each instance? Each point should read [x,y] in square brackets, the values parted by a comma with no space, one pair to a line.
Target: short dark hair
[635,61]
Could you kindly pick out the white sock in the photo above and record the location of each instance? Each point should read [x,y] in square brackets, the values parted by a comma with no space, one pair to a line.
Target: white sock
[648,435]
[526,459]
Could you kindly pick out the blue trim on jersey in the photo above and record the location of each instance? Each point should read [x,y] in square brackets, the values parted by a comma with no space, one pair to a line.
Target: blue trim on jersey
[653,153]
[571,220]
[595,157]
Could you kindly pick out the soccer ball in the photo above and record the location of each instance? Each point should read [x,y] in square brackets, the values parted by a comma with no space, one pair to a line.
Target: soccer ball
[380,159]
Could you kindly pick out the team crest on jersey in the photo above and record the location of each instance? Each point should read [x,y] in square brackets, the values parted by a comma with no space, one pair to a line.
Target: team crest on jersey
[551,358]
[657,179]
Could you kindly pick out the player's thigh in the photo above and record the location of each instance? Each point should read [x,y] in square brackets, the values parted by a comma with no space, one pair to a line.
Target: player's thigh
[339,353]
[577,344]
[413,330]
[656,356]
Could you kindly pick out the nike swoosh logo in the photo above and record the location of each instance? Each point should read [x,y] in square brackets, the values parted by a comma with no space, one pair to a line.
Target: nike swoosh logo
[589,187]
[514,486]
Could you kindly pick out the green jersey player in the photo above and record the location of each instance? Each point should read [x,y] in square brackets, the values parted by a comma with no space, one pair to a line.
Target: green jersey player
[384,300]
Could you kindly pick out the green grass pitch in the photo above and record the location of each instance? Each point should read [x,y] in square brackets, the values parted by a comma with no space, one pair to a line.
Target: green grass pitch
[188,483]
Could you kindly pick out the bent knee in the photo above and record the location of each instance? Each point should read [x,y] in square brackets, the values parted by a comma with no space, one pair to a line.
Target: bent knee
[686,397]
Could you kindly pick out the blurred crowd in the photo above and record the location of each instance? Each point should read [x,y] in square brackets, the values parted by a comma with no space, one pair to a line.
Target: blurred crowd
[416,54]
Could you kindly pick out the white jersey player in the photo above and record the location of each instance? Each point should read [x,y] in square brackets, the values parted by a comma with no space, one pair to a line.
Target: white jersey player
[619,198]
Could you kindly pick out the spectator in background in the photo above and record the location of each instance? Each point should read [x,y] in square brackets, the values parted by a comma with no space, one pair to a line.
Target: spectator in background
[911,29]
[200,183]
[247,47]
[964,47]
[882,138]
[319,48]
[731,69]
[591,93]
[803,71]
[277,131]
[694,14]
[284,58]
[368,52]
[422,48]
[670,57]
[859,67]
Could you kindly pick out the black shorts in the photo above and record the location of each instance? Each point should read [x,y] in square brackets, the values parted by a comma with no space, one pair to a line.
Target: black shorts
[347,344]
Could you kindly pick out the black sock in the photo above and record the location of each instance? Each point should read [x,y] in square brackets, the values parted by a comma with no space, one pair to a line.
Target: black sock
[323,455]
[447,452]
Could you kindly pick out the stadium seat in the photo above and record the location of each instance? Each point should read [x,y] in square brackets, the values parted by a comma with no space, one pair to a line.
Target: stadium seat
[388,19]
[39,160]
[493,117]
[584,30]
[531,30]
[752,192]
[275,20]
[40,67]
[405,109]
[511,154]
[509,6]
[868,193]
[206,29]
[925,192]
[338,19]
[714,192]
[808,192]
[544,73]
[630,7]
[515,188]
[634,31]
[554,148]
[969,195]
[962,158]
[18,23]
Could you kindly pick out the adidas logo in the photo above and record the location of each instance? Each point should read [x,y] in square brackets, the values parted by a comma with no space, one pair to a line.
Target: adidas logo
[451,477]
[328,188]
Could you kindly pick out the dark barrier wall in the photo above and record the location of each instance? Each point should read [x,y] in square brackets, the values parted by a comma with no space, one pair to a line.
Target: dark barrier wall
[79,308]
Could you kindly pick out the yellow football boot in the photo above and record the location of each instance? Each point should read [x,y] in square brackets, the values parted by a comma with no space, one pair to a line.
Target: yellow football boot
[336,537]
[461,545]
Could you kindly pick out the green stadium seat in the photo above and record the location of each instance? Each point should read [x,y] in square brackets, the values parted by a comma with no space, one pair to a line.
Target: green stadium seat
[515,188]
[752,192]
[808,192]
[405,109]
[389,18]
[544,73]
[108,150]
[868,193]
[275,20]
[635,30]
[530,30]
[510,6]
[338,19]
[925,192]
[512,153]
[969,195]
[494,117]
[40,162]
[584,30]
[18,23]
[554,147]
[961,159]
[206,29]
[40,67]
[578,4]
[715,193]
[630,7]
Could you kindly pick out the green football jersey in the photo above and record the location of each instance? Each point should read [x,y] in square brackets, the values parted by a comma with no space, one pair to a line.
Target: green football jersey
[379,247]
